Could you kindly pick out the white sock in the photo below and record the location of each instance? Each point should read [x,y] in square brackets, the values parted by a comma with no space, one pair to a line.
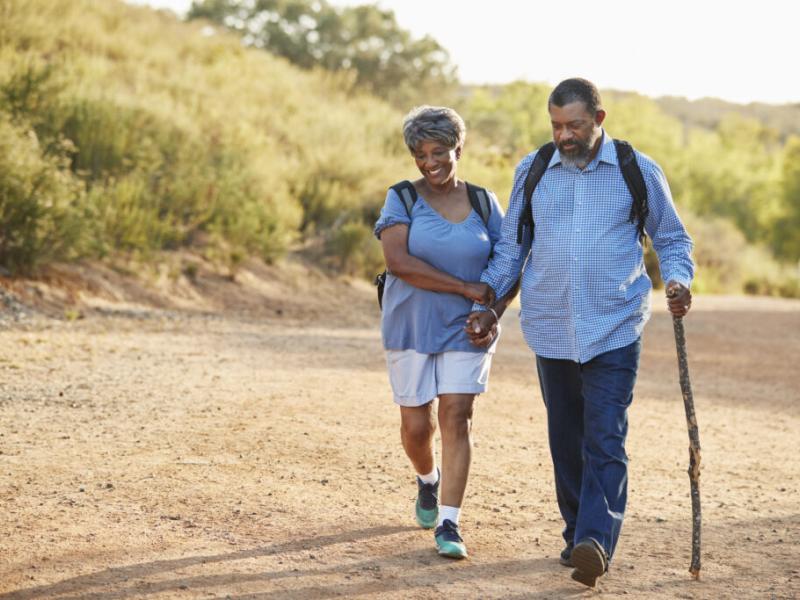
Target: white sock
[449,512]
[431,477]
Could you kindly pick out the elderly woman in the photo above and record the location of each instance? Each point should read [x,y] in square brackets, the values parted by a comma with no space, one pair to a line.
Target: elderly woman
[436,244]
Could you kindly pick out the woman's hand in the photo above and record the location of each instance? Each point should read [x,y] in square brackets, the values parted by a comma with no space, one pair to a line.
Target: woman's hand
[486,340]
[479,292]
[481,328]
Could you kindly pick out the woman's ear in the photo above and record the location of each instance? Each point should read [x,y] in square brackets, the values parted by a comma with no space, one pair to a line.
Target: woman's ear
[458,152]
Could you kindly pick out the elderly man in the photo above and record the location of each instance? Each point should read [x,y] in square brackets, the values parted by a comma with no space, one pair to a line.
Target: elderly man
[585,299]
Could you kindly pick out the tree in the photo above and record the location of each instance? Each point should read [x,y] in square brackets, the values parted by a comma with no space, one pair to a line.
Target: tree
[367,40]
[787,228]
[511,119]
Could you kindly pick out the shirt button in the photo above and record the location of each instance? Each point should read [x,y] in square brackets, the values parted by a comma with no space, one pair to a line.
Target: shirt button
[575,258]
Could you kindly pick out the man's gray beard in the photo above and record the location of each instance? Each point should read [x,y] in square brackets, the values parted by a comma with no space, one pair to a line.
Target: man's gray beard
[579,161]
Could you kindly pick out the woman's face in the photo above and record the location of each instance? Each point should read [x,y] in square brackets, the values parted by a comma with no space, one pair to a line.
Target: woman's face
[436,162]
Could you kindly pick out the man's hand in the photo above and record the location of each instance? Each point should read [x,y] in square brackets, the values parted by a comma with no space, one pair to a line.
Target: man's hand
[679,299]
[479,292]
[481,328]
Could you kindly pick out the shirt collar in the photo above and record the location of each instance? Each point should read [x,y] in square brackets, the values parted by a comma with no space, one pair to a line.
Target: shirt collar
[607,154]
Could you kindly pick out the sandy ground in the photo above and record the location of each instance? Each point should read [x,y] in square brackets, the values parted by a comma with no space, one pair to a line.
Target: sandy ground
[245,453]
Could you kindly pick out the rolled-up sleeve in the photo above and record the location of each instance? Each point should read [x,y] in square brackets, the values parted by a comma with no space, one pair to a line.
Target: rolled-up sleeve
[392,213]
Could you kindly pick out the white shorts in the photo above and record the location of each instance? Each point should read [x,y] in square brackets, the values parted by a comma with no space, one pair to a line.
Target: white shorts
[417,379]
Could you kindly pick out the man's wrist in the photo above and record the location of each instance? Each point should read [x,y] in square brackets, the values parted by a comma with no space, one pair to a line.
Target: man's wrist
[679,281]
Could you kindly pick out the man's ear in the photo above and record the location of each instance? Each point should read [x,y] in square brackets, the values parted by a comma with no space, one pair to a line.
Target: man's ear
[600,116]
[458,151]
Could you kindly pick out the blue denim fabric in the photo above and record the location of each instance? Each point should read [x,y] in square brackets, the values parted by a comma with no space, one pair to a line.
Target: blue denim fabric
[587,420]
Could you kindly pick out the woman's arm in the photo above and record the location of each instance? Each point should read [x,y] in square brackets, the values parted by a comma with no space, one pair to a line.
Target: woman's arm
[420,274]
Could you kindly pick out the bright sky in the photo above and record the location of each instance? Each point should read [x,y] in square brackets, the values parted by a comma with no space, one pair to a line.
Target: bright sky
[734,50]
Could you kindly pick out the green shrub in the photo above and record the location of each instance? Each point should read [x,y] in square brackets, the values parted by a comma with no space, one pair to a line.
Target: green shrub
[186,139]
[38,202]
[354,250]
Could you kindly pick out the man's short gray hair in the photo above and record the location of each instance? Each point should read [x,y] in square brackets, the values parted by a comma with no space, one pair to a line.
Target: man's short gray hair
[433,123]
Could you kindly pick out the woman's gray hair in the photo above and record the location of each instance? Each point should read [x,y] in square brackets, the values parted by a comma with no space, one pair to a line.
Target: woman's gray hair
[435,124]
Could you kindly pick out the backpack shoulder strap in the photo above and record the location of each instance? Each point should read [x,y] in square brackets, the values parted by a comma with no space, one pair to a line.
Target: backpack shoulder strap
[408,194]
[539,165]
[479,199]
[635,182]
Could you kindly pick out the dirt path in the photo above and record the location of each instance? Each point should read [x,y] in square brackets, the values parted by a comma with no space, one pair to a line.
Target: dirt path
[202,457]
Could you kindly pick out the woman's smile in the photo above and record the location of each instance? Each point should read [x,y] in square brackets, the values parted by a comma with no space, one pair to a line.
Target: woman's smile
[436,162]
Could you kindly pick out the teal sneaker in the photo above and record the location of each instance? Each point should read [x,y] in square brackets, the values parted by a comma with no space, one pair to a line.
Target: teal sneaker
[448,540]
[427,508]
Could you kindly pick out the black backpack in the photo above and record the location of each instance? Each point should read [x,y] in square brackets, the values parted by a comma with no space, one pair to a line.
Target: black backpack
[630,172]
[478,198]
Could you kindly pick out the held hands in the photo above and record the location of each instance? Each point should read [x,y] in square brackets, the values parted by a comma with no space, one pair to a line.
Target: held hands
[679,299]
[481,328]
[479,292]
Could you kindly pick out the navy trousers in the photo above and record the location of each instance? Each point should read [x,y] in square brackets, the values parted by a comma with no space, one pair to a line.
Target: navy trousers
[587,421]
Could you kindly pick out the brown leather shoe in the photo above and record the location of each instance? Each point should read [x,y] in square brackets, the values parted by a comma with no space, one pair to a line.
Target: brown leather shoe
[590,562]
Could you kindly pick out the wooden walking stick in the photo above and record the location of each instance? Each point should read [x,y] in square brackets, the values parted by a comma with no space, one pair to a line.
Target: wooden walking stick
[694,439]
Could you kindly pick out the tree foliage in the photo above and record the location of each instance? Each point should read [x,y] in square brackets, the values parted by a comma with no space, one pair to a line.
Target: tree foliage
[707,113]
[736,182]
[124,130]
[128,123]
[787,226]
[366,40]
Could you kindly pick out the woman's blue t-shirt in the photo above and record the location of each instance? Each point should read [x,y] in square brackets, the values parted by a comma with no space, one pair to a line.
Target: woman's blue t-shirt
[422,320]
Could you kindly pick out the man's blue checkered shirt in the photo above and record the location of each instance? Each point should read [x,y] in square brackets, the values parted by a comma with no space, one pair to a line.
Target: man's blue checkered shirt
[585,289]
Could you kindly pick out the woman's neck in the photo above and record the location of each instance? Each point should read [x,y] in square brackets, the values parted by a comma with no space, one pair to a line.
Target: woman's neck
[444,188]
